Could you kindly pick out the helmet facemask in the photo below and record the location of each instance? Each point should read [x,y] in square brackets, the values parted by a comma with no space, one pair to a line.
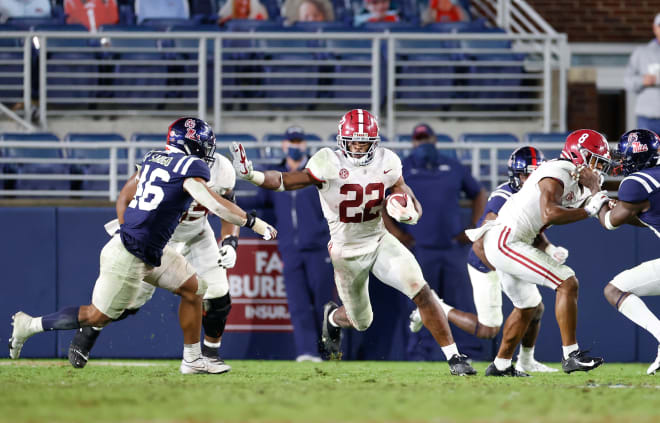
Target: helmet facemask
[358,158]
[202,149]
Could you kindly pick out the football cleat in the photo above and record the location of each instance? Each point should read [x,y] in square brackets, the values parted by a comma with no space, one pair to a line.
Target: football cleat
[81,345]
[508,372]
[533,366]
[308,357]
[459,366]
[330,335]
[579,361]
[216,365]
[197,366]
[415,324]
[22,331]
[655,366]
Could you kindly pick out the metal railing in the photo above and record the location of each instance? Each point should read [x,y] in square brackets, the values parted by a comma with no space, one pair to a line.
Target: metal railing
[487,162]
[482,75]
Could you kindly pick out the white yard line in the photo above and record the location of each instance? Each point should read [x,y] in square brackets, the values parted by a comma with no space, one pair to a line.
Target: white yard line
[50,362]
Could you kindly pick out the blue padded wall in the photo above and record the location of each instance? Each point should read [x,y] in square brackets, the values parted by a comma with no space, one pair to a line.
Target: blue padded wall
[49,257]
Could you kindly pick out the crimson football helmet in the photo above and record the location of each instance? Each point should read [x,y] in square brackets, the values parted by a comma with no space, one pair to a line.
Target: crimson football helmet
[586,147]
[358,125]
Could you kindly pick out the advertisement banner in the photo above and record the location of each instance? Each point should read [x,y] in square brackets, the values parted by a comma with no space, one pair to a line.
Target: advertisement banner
[256,286]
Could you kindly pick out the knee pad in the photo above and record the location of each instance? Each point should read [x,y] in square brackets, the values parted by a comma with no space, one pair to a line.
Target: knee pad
[126,313]
[215,315]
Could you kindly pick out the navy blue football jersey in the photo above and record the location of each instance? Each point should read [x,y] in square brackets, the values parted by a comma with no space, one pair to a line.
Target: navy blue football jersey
[159,202]
[495,202]
[641,186]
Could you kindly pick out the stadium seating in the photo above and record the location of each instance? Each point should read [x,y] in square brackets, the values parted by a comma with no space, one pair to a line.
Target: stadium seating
[192,45]
[144,49]
[484,156]
[24,166]
[499,64]
[91,168]
[11,61]
[27,23]
[534,137]
[141,151]
[59,50]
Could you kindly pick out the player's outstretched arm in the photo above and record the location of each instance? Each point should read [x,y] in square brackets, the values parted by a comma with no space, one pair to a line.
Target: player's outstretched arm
[225,209]
[623,212]
[270,179]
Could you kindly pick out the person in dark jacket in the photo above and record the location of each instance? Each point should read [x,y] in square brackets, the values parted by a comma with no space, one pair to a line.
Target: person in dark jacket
[438,240]
[308,273]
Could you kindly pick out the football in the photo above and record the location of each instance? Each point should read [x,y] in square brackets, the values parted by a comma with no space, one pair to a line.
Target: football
[399,197]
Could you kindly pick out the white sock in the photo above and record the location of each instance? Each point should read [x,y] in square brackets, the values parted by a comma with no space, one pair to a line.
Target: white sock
[212,344]
[526,354]
[569,349]
[192,352]
[634,308]
[449,351]
[35,325]
[502,363]
[331,318]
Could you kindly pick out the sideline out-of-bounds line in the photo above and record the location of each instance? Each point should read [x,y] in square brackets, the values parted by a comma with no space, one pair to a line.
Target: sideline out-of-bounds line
[47,362]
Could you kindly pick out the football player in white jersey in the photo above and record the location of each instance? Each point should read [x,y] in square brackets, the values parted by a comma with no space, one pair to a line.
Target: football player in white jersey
[195,240]
[486,287]
[639,205]
[557,193]
[352,181]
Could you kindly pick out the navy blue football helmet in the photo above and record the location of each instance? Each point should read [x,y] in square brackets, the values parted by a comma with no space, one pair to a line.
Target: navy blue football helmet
[637,150]
[194,137]
[523,161]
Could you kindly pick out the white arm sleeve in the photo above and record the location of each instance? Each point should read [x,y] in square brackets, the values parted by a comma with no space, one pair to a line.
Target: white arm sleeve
[201,194]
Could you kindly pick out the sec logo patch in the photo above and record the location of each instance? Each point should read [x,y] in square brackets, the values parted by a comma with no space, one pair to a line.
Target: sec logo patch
[343,173]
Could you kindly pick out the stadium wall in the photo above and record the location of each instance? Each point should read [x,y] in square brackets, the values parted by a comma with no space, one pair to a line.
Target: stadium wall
[49,257]
[600,20]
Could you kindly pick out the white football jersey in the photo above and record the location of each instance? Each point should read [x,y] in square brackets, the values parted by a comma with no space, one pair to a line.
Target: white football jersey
[352,197]
[223,179]
[522,212]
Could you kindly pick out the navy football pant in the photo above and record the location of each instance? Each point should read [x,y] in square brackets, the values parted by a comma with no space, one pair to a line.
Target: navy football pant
[309,281]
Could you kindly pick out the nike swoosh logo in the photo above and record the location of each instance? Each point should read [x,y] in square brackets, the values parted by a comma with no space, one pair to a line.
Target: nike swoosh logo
[387,171]
[591,363]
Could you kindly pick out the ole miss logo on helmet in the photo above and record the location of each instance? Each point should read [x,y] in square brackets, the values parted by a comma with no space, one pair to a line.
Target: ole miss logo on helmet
[638,147]
[191,133]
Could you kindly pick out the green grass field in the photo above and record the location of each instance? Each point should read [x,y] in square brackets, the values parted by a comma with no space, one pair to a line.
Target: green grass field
[279,391]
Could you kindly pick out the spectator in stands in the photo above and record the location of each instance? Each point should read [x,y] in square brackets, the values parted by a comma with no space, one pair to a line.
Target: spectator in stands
[158,9]
[91,13]
[307,11]
[242,9]
[444,11]
[438,240]
[24,8]
[304,236]
[377,11]
[643,77]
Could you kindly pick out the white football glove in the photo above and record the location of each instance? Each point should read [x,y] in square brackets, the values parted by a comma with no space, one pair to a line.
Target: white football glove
[227,257]
[407,215]
[239,160]
[558,254]
[595,203]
